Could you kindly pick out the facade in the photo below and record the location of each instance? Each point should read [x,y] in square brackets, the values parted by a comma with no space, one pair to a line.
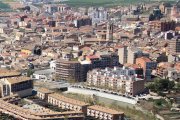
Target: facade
[163,25]
[109,33]
[174,45]
[98,15]
[22,86]
[167,70]
[68,70]
[103,113]
[77,69]
[129,55]
[67,103]
[83,21]
[52,8]
[43,93]
[147,65]
[123,80]
[123,54]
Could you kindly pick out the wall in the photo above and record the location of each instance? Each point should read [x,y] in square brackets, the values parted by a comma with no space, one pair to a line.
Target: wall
[101,94]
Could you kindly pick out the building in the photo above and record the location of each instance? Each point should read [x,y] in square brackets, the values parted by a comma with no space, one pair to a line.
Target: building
[98,15]
[68,70]
[123,80]
[163,25]
[109,33]
[52,8]
[26,114]
[167,70]
[4,73]
[76,70]
[43,93]
[67,103]
[103,113]
[123,54]
[147,65]
[129,54]
[21,85]
[82,21]
[174,45]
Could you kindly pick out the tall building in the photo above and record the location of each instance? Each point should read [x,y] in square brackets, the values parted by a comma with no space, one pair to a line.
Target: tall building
[147,65]
[98,15]
[68,70]
[174,45]
[129,54]
[82,21]
[123,54]
[109,33]
[77,69]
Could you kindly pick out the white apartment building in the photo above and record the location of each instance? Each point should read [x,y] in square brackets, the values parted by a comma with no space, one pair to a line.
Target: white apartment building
[119,79]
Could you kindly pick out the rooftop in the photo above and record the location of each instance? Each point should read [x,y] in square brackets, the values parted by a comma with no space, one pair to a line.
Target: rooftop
[44,90]
[19,79]
[6,73]
[104,109]
[68,100]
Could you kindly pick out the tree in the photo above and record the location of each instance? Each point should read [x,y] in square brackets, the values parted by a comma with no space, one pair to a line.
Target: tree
[29,72]
[160,85]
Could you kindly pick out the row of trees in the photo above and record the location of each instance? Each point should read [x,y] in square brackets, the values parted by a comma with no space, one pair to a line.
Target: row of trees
[163,85]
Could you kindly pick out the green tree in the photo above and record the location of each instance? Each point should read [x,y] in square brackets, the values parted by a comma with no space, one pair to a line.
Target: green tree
[29,72]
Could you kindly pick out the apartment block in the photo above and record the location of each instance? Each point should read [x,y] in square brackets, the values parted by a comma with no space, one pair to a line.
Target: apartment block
[174,45]
[67,103]
[68,70]
[77,69]
[82,21]
[103,113]
[147,65]
[129,54]
[123,80]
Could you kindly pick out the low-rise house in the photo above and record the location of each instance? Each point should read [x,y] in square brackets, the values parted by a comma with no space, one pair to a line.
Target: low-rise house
[67,103]
[103,113]
[43,93]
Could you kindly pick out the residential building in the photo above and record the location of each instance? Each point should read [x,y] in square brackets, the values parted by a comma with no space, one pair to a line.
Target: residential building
[129,54]
[43,93]
[174,45]
[82,21]
[103,113]
[67,103]
[98,15]
[76,69]
[123,54]
[68,70]
[147,65]
[109,32]
[123,80]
